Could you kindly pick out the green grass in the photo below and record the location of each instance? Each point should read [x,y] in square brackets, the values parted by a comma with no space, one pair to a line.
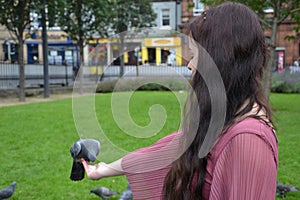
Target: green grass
[36,138]
[287,120]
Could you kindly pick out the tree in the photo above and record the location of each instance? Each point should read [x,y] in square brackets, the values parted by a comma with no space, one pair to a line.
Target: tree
[82,20]
[15,17]
[281,10]
[130,14]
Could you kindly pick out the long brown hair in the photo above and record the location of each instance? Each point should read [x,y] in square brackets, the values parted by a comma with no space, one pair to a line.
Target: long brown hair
[232,35]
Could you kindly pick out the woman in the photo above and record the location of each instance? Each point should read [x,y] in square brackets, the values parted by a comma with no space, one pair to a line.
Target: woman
[242,164]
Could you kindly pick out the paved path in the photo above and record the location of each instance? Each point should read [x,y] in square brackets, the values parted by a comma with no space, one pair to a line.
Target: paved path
[10,101]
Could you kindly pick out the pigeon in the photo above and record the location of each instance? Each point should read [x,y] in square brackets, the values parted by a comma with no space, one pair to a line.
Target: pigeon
[83,148]
[7,192]
[126,194]
[283,189]
[104,192]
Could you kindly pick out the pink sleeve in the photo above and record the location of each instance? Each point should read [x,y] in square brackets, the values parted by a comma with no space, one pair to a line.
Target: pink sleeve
[246,170]
[146,168]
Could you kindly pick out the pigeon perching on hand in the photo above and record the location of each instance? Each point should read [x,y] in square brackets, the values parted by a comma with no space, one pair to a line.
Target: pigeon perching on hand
[283,189]
[87,149]
[104,192]
[7,192]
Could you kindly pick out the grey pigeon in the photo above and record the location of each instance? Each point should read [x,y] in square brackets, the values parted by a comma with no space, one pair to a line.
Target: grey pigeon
[126,194]
[104,192]
[283,189]
[83,148]
[7,192]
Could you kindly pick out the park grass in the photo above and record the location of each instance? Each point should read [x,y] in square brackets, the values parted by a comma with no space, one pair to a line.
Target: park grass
[287,119]
[36,138]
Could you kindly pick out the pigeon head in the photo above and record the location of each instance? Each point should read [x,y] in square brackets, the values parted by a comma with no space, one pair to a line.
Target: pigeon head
[75,149]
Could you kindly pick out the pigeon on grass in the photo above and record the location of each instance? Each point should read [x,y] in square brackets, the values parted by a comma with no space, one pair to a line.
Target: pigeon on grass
[281,189]
[87,149]
[126,194]
[7,192]
[104,192]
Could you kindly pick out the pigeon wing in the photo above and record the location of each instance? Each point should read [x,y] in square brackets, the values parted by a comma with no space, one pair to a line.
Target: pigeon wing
[90,149]
[104,192]
[126,194]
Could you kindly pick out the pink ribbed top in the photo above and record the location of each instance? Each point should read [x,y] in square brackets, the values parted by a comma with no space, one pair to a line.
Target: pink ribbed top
[241,165]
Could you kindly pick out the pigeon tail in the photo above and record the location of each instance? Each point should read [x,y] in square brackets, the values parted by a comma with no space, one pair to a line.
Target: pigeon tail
[294,189]
[77,172]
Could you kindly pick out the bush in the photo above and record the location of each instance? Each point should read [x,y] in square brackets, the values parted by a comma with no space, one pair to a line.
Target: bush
[285,82]
[147,84]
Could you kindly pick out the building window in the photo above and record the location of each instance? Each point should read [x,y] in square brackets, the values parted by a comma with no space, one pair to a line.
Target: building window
[165,17]
[198,8]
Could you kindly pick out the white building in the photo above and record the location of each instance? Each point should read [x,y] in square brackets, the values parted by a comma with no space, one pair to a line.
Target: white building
[168,13]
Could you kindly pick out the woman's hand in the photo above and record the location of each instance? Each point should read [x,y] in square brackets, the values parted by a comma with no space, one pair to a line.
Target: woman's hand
[102,170]
[93,171]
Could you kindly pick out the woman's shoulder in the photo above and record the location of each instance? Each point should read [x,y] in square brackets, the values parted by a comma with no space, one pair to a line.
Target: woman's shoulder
[252,126]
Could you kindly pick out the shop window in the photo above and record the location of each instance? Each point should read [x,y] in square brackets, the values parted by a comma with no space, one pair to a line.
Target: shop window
[151,56]
[33,54]
[164,55]
[55,56]
[97,54]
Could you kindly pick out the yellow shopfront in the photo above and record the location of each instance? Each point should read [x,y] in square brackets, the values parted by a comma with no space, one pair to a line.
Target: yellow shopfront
[162,51]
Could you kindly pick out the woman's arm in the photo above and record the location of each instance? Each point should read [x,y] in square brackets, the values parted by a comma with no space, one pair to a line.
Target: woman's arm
[154,157]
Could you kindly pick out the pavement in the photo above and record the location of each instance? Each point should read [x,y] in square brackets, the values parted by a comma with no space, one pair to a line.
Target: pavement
[13,101]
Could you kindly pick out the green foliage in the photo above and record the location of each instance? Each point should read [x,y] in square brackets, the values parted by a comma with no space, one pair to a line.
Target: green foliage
[36,138]
[131,13]
[15,15]
[165,84]
[285,82]
[282,9]
[83,18]
[281,87]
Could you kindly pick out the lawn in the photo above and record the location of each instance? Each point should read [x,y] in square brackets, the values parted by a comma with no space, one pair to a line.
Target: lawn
[287,117]
[36,138]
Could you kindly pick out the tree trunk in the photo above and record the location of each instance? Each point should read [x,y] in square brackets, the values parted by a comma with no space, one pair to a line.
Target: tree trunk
[80,43]
[121,47]
[21,70]
[267,78]
[81,64]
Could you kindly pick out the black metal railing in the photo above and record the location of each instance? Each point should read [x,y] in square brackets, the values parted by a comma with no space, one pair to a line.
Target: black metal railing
[65,74]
